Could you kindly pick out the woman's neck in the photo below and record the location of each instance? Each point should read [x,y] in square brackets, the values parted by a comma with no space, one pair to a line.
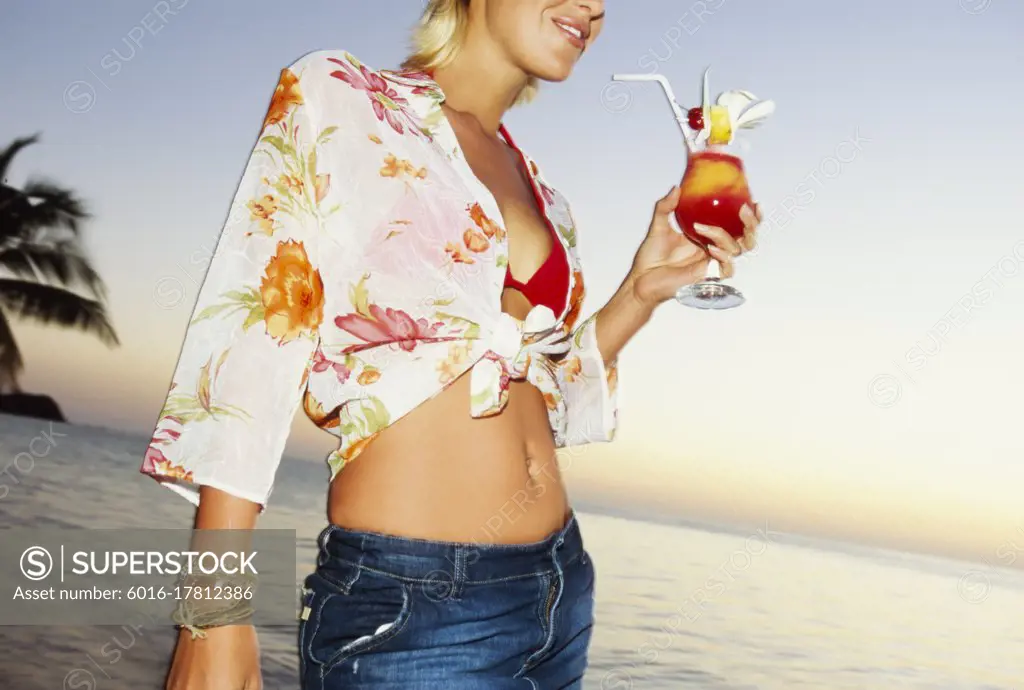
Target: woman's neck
[481,86]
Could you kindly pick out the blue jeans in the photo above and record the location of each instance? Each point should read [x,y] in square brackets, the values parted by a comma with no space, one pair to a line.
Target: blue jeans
[383,612]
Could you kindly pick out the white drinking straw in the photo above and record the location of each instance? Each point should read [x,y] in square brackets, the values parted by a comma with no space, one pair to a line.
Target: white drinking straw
[667,88]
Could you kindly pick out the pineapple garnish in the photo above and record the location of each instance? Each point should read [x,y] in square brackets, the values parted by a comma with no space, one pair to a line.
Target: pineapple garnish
[731,112]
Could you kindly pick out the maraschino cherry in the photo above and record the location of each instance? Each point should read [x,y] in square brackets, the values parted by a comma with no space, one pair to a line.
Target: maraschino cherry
[695,118]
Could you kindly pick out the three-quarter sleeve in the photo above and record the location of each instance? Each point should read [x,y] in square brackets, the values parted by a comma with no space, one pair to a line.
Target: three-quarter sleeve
[589,387]
[255,326]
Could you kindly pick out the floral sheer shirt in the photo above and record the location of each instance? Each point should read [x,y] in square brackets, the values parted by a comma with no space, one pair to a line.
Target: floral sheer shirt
[358,275]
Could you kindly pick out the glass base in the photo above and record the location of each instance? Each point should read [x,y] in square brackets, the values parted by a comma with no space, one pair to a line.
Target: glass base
[710,293]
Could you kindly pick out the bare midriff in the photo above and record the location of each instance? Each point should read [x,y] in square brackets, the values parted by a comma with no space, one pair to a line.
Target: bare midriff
[438,473]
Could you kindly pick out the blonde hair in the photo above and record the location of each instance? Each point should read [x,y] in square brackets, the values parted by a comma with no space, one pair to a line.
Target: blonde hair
[439,36]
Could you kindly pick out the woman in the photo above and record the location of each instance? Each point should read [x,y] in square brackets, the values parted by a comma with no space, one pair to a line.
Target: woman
[394,259]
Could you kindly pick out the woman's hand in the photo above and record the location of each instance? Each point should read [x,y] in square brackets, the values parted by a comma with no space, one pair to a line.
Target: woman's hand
[668,260]
[227,659]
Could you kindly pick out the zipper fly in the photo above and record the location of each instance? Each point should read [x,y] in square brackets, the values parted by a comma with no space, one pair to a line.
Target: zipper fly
[551,598]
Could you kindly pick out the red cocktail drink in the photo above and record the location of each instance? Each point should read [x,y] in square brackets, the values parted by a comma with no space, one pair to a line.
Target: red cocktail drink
[712,192]
[714,188]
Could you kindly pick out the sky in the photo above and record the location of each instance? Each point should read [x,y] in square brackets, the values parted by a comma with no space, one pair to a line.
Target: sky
[867,390]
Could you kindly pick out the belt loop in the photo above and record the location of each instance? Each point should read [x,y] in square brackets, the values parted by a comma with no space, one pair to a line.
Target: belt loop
[559,542]
[323,539]
[347,585]
[459,576]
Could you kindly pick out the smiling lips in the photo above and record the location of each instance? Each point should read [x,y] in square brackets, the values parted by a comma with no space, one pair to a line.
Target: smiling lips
[574,31]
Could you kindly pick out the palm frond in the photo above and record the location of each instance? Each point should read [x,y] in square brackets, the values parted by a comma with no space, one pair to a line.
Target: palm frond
[11,363]
[12,150]
[58,261]
[47,304]
[52,207]
[41,261]
[14,206]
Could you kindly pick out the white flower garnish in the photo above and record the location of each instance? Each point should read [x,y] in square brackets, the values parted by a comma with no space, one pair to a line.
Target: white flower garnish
[732,111]
[745,111]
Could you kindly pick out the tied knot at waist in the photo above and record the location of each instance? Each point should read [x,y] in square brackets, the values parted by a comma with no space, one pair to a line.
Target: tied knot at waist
[517,349]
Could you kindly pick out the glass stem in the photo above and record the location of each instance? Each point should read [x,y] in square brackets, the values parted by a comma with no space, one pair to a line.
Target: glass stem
[714,270]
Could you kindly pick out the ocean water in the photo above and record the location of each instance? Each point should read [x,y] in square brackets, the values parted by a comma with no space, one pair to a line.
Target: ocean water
[677,607]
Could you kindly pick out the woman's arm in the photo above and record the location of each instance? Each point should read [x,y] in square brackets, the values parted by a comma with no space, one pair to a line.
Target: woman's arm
[619,320]
[665,261]
[220,510]
[245,357]
[228,657]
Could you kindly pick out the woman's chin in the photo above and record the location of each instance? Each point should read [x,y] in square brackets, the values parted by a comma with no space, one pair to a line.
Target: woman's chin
[554,71]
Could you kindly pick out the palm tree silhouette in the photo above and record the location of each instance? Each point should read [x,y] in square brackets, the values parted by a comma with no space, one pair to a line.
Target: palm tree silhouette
[41,258]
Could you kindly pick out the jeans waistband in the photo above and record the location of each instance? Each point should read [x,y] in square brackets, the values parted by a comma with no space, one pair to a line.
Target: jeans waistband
[425,560]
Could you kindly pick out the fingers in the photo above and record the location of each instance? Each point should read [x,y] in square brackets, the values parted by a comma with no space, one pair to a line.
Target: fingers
[661,223]
[663,282]
[698,262]
[751,218]
[667,204]
[720,238]
[726,266]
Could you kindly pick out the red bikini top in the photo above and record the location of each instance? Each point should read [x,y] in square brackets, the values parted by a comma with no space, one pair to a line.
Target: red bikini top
[550,284]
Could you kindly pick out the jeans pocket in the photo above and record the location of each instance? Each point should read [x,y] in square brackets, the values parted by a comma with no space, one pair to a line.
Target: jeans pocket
[342,623]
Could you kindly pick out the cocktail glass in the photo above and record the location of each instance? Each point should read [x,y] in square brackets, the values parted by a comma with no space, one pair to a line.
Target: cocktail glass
[714,187]
[713,191]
